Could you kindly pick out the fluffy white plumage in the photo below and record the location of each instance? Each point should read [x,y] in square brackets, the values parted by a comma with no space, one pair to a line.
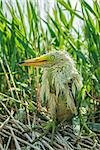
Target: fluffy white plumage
[55,89]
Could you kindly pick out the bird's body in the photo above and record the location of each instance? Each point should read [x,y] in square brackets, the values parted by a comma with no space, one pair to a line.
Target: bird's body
[55,88]
[60,81]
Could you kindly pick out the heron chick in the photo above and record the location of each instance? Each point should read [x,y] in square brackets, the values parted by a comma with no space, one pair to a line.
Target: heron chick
[60,82]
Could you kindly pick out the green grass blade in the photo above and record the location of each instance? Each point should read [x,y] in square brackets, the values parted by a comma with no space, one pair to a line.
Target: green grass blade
[21,16]
[89,8]
[67,7]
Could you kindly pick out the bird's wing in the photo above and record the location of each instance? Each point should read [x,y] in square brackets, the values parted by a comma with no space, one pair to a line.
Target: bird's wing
[72,88]
[70,99]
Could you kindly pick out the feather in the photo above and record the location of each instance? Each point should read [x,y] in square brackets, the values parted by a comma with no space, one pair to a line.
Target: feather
[59,85]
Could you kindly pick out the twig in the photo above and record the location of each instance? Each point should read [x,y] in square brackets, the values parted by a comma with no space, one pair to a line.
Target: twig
[14,137]
[87,142]
[86,138]
[40,136]
[16,100]
[23,126]
[1,142]
[3,135]
[15,121]
[5,122]
[85,145]
[2,73]
[7,78]
[92,97]
[21,140]
[4,95]
[38,91]
[14,129]
[47,145]
[28,116]
[1,147]
[11,78]
[7,145]
[33,124]
[54,143]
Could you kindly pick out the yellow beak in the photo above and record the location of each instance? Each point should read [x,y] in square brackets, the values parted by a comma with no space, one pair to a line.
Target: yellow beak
[39,61]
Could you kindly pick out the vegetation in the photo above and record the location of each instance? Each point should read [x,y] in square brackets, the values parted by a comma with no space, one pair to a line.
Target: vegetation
[27,35]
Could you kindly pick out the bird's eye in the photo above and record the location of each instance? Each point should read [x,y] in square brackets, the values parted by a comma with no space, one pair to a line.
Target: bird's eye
[52,57]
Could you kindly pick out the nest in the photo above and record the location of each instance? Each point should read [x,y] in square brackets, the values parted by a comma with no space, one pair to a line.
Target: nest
[28,133]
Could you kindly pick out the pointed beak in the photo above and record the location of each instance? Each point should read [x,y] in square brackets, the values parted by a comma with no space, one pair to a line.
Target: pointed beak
[39,61]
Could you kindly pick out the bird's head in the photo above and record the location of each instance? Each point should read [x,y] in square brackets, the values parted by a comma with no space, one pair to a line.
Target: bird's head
[47,60]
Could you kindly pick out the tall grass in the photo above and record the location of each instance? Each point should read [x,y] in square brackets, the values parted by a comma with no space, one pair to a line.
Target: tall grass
[18,43]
